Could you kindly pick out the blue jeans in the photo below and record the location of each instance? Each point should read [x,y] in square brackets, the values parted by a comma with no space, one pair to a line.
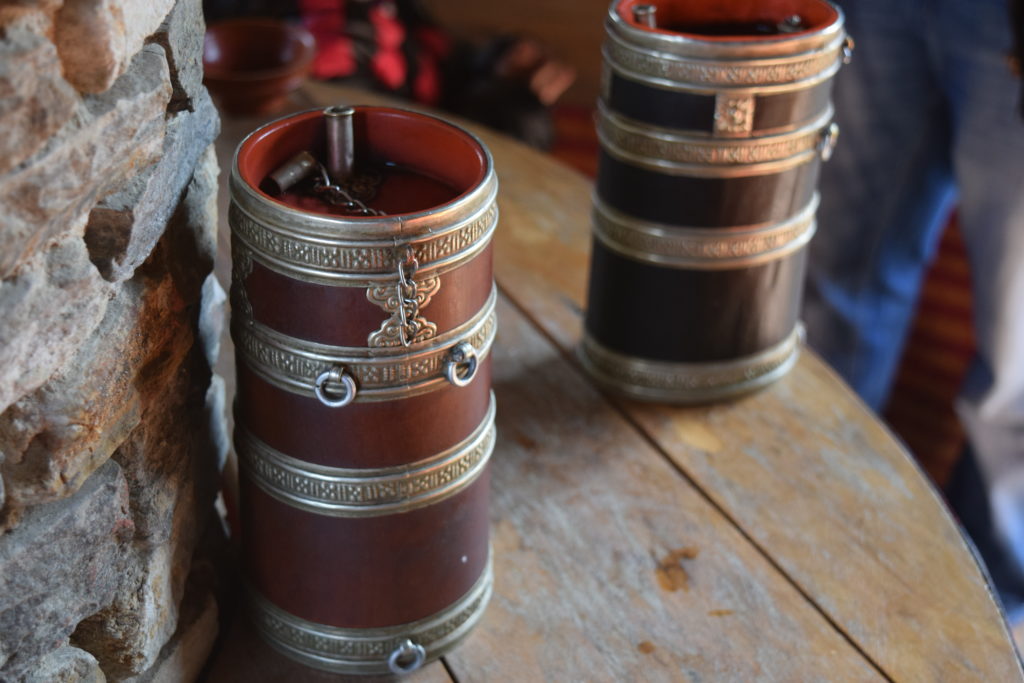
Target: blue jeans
[928,113]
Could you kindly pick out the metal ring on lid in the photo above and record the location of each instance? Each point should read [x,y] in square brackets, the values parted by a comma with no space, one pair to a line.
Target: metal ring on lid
[460,364]
[827,144]
[325,393]
[407,657]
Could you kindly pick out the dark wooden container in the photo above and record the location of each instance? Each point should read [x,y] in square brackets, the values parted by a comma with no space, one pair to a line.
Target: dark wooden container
[711,139]
[364,460]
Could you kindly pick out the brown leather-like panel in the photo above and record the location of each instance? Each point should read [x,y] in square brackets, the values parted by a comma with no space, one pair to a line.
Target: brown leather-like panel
[377,434]
[343,316]
[365,572]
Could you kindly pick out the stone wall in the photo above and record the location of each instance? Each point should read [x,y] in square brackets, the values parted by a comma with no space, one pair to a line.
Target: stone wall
[107,235]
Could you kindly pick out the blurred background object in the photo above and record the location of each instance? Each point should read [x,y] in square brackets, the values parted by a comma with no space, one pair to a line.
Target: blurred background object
[251,65]
[506,79]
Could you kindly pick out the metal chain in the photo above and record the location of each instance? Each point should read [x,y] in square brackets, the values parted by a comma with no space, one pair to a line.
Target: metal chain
[408,295]
[335,194]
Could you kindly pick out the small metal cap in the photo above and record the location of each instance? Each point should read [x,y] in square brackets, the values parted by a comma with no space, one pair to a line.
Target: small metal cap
[791,24]
[296,169]
[407,657]
[645,15]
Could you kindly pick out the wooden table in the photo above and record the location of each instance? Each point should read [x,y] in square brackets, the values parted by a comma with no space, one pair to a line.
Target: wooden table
[784,536]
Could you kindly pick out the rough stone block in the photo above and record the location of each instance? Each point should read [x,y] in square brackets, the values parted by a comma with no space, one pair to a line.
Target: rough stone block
[185,654]
[97,38]
[35,100]
[54,437]
[110,137]
[125,226]
[81,542]
[169,465]
[67,665]
[181,36]
[49,308]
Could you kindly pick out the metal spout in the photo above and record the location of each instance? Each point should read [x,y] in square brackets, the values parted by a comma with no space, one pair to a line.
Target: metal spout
[340,142]
[645,15]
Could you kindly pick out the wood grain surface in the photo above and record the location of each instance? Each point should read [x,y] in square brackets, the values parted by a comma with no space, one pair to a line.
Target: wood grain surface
[784,536]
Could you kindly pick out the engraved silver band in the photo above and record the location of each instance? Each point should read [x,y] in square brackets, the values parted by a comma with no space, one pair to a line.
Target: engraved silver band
[381,374]
[649,380]
[680,155]
[643,140]
[346,492]
[696,77]
[678,62]
[702,248]
[366,650]
[333,260]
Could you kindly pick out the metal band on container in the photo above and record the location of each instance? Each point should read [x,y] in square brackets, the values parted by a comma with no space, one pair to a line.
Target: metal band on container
[381,374]
[298,251]
[349,492]
[645,141]
[671,382]
[366,650]
[654,65]
[672,154]
[701,248]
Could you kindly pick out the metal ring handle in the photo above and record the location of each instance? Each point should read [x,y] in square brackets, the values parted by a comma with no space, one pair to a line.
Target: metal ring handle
[335,375]
[461,364]
[405,650]
[848,47]
[827,142]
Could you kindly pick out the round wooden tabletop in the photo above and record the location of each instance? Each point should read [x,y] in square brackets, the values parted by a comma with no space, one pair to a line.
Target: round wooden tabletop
[783,536]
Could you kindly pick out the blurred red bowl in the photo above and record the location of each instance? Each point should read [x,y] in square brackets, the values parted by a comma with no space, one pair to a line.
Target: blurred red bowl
[251,65]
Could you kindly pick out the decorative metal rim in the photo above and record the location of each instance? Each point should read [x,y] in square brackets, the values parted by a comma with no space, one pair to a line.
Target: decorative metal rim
[348,492]
[366,651]
[668,73]
[781,48]
[370,228]
[684,383]
[641,140]
[381,374]
[645,143]
[333,260]
[702,248]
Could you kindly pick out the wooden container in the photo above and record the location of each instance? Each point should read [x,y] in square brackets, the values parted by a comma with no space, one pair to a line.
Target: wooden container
[711,137]
[364,460]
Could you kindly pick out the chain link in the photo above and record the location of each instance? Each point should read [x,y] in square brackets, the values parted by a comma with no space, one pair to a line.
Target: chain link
[408,294]
[335,194]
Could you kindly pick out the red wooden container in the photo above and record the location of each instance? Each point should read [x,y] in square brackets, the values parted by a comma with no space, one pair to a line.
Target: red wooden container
[364,460]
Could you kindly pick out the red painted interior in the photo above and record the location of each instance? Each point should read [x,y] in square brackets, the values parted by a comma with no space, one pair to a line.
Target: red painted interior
[817,14]
[417,142]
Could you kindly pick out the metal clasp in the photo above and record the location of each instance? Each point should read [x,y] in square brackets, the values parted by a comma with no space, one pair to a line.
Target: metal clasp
[326,393]
[460,364]
[407,657]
